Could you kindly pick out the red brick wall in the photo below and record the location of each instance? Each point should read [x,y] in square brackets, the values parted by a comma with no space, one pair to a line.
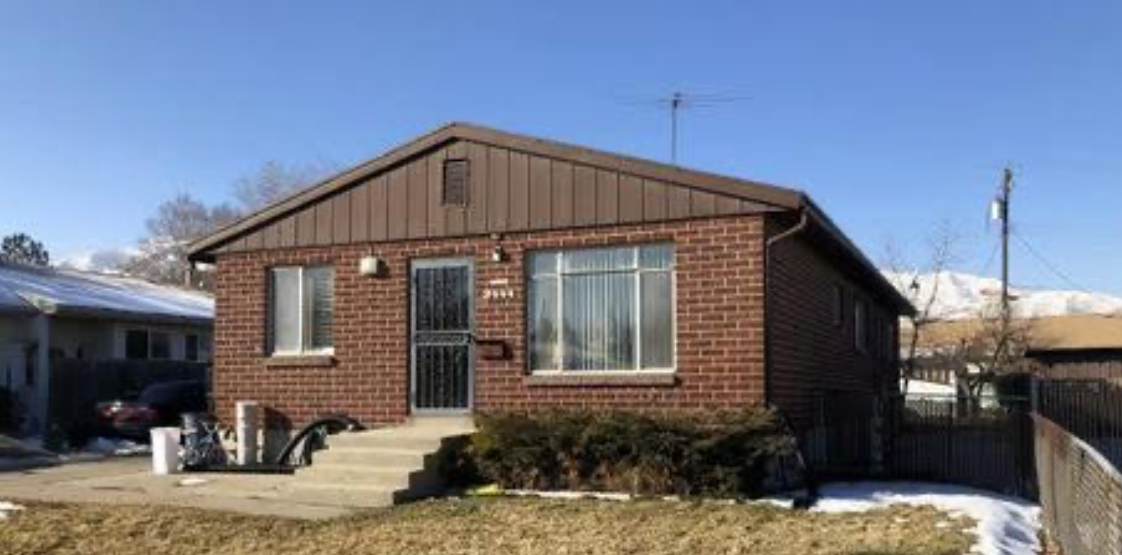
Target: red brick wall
[810,355]
[719,350]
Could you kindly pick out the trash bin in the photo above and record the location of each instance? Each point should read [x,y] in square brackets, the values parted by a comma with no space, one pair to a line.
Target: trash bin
[165,451]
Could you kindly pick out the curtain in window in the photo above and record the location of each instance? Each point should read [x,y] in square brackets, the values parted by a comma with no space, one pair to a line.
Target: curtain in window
[614,308]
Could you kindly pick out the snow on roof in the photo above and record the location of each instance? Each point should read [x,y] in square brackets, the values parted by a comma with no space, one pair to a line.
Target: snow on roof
[77,292]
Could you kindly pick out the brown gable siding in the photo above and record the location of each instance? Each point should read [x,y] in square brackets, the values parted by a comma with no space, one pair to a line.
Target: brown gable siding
[508,191]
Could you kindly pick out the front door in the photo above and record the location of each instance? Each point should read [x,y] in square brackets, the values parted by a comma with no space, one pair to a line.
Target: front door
[441,336]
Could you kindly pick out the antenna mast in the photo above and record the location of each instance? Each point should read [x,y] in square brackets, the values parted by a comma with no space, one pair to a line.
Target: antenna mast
[678,101]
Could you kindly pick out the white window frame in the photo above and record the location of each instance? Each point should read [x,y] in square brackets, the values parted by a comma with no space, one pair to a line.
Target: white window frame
[637,272]
[302,314]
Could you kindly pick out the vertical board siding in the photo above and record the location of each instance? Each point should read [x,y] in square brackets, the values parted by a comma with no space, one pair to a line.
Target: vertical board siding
[630,199]
[607,197]
[498,188]
[379,208]
[341,213]
[507,190]
[477,192]
[519,191]
[561,183]
[435,180]
[360,213]
[584,195]
[541,197]
[654,200]
[418,214]
[398,203]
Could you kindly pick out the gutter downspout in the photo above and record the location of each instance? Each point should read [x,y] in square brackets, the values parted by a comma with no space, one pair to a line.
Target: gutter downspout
[804,221]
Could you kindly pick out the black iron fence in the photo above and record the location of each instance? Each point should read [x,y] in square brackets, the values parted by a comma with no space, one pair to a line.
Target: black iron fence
[985,443]
[1080,492]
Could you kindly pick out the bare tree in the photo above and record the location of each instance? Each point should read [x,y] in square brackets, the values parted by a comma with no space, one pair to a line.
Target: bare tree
[162,254]
[21,248]
[275,180]
[942,251]
[997,346]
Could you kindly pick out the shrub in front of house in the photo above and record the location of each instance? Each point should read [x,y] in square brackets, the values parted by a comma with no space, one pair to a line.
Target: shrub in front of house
[742,454]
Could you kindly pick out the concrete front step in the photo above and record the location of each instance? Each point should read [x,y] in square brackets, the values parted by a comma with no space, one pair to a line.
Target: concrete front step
[379,467]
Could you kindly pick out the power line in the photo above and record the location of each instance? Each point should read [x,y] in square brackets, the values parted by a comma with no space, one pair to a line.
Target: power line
[1044,262]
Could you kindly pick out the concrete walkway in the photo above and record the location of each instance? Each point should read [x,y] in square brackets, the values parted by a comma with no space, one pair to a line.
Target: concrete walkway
[130,481]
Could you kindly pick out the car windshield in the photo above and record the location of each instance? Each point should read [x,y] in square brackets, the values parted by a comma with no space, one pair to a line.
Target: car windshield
[165,393]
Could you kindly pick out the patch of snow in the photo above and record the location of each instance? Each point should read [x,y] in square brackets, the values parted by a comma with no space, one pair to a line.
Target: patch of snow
[1006,525]
[920,388]
[115,447]
[962,296]
[602,496]
[7,507]
[189,482]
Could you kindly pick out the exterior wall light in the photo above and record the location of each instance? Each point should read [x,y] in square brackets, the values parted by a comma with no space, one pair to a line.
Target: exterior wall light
[370,266]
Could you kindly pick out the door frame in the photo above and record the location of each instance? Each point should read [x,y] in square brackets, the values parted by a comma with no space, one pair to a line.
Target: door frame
[443,262]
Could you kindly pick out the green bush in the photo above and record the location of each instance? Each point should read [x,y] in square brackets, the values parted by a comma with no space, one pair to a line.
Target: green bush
[719,454]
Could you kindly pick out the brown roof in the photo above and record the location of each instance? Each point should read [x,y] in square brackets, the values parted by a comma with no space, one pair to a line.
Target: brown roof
[1053,333]
[744,195]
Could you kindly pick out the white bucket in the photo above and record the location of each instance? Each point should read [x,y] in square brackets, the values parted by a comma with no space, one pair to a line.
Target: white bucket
[165,451]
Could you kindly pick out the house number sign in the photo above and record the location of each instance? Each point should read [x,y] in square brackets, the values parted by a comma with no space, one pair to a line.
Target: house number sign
[498,289]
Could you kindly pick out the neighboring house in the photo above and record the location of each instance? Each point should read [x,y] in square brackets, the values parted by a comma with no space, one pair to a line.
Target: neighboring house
[474,270]
[49,314]
[1075,346]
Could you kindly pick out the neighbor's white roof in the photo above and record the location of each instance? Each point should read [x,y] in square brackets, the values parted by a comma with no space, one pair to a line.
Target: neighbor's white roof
[25,288]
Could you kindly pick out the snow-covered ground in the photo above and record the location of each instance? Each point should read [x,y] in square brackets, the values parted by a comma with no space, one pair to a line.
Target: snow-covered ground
[963,295]
[1006,525]
[7,508]
[115,447]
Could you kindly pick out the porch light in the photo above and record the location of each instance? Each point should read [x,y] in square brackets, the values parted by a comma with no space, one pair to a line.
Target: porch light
[369,266]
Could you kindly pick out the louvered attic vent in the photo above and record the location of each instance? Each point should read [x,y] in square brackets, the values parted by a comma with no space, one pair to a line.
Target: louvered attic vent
[454,192]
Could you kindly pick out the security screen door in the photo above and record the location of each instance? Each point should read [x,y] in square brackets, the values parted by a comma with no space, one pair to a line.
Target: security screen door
[442,336]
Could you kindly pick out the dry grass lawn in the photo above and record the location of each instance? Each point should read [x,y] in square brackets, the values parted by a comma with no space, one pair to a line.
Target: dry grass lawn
[488,526]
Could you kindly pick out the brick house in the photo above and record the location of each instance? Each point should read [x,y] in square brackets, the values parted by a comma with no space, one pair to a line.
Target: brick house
[475,270]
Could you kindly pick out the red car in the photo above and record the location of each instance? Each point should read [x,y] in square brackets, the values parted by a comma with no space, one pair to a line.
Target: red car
[160,404]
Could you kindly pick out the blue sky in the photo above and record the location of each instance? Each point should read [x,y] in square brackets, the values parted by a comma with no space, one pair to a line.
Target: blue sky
[893,115]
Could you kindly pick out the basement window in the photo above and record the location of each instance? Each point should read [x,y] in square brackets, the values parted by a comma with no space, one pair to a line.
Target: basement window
[454,189]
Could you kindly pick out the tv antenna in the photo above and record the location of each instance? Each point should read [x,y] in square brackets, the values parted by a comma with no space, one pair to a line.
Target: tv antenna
[678,101]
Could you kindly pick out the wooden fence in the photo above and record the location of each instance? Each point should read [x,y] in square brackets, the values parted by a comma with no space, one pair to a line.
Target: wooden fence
[78,385]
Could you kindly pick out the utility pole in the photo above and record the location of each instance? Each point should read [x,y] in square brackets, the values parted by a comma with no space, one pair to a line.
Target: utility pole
[1003,201]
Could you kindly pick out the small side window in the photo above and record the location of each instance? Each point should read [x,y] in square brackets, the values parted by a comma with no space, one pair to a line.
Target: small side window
[454,189]
[838,306]
[860,326]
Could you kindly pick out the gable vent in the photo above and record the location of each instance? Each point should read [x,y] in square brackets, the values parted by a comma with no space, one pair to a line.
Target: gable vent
[454,191]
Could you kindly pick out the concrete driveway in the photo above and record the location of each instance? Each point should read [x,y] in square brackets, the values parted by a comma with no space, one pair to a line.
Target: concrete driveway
[129,480]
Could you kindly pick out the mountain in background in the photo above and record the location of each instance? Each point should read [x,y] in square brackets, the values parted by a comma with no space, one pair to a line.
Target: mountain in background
[962,296]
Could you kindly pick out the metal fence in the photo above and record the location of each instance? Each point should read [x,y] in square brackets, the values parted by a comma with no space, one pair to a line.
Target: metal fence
[1090,409]
[1080,492]
[986,444]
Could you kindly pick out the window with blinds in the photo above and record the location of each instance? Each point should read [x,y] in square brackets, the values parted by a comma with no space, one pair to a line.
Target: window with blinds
[602,309]
[301,310]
